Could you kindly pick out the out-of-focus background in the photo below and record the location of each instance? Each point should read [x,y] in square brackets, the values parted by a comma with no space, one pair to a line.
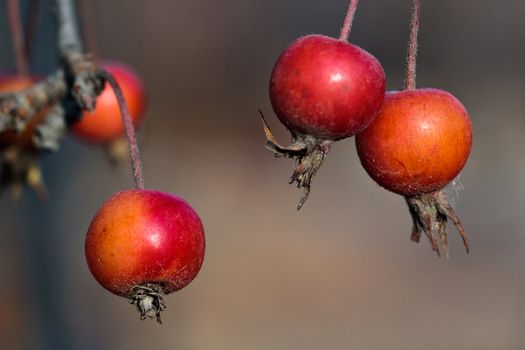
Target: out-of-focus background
[339,274]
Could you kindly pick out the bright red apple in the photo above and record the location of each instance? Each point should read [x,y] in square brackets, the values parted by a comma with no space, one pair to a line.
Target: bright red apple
[143,244]
[327,88]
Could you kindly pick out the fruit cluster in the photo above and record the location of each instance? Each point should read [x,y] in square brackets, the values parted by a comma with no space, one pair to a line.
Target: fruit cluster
[142,244]
[412,142]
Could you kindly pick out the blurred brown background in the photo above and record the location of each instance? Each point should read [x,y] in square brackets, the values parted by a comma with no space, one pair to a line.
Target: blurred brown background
[340,274]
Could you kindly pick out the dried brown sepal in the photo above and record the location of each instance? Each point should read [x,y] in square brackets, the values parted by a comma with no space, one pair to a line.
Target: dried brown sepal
[36,182]
[19,168]
[149,300]
[118,152]
[19,151]
[308,153]
[430,212]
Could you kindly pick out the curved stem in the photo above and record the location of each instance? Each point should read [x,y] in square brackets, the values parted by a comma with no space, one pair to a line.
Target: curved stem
[349,19]
[410,78]
[130,130]
[17,35]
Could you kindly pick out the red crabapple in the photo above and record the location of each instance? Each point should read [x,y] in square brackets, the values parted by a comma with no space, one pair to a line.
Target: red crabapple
[104,124]
[323,90]
[144,244]
[418,144]
[14,83]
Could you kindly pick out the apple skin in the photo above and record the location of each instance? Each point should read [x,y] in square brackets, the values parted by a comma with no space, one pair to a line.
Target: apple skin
[104,124]
[14,83]
[144,236]
[419,142]
[327,88]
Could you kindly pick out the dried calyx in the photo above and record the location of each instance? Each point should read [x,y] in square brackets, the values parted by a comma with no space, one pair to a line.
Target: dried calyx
[18,168]
[149,300]
[430,212]
[308,153]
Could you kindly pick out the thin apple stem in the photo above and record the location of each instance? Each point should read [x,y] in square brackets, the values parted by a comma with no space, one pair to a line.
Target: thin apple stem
[410,78]
[32,24]
[349,19]
[130,130]
[17,35]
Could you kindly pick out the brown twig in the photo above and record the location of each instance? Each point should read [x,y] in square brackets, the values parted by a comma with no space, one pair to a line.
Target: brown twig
[86,85]
[77,79]
[17,109]
[33,120]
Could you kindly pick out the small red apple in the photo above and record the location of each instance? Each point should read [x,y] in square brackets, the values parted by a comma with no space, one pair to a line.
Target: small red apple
[104,124]
[323,90]
[418,144]
[143,244]
[326,87]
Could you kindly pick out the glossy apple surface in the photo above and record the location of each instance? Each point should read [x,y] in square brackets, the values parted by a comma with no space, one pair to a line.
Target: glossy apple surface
[418,143]
[104,124]
[143,236]
[326,87]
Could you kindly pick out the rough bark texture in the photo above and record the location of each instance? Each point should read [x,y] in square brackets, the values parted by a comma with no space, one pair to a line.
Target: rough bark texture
[34,120]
